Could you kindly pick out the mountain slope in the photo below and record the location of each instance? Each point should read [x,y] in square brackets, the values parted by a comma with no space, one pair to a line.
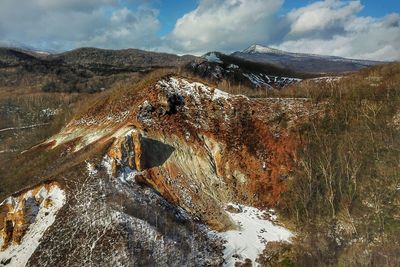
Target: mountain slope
[303,62]
[171,166]
[121,58]
[238,71]
[81,70]
[148,171]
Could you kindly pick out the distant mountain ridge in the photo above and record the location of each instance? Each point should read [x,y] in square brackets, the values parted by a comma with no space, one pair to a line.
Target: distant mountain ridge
[79,70]
[88,56]
[262,75]
[93,69]
[122,58]
[255,48]
[303,62]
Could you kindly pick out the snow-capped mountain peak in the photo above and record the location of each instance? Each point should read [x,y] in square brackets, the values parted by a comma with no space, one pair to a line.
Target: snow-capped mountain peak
[255,48]
[312,63]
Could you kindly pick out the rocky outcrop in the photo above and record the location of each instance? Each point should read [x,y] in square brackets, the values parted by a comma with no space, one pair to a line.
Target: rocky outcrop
[200,147]
[24,218]
[151,173]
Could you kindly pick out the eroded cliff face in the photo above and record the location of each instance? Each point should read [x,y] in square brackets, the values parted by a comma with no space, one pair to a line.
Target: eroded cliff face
[24,218]
[199,147]
[173,155]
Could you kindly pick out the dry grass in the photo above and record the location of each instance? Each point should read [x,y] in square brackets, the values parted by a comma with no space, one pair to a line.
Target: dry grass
[343,195]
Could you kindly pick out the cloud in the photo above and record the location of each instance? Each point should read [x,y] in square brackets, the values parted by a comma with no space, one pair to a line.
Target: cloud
[332,27]
[77,5]
[66,24]
[136,29]
[226,25]
[322,16]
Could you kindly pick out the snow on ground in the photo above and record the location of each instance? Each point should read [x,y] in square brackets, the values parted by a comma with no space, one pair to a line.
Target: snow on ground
[327,79]
[107,164]
[23,127]
[50,202]
[212,57]
[252,235]
[256,80]
[48,112]
[263,80]
[262,50]
[220,94]
[125,175]
[91,169]
[8,151]
[195,90]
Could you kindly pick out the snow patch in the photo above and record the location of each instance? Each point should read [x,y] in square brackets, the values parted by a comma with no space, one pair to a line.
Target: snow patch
[253,234]
[127,175]
[212,57]
[48,112]
[327,79]
[92,171]
[51,202]
[107,164]
[255,48]
[195,90]
[220,94]
[256,80]
[23,127]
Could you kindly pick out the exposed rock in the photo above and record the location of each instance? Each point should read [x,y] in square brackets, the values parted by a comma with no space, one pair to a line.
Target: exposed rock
[24,218]
[145,112]
[233,154]
[195,147]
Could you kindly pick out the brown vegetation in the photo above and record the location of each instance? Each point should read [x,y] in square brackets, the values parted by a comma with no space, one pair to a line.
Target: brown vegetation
[344,197]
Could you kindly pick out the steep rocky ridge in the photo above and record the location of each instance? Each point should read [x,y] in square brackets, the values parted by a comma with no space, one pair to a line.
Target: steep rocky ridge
[186,139]
[152,168]
[24,218]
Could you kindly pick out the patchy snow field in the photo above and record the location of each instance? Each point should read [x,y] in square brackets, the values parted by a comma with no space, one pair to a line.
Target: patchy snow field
[254,231]
[43,216]
[212,57]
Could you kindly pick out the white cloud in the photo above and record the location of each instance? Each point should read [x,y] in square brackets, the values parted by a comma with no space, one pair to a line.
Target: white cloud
[226,25]
[72,4]
[66,24]
[127,29]
[332,27]
[322,16]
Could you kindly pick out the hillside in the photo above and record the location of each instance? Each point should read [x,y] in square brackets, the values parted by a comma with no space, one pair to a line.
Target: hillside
[167,164]
[121,58]
[158,136]
[82,70]
[236,71]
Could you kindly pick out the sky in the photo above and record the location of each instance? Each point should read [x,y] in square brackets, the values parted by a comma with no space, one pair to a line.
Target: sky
[365,29]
